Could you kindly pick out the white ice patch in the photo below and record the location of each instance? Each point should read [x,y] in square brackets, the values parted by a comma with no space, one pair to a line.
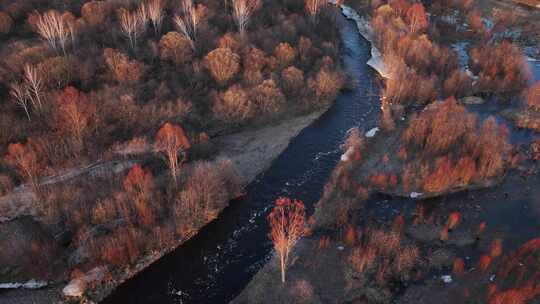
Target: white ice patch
[371,133]
[32,284]
[416,194]
[347,155]
[446,279]
[364,28]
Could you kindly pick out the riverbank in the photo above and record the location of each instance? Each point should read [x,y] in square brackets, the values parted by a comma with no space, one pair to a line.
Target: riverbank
[251,153]
[432,238]
[364,28]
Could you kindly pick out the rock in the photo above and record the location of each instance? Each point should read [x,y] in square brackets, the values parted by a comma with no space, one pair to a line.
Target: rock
[472,100]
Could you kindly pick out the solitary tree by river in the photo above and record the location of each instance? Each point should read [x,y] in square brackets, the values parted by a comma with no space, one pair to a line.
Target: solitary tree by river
[287,226]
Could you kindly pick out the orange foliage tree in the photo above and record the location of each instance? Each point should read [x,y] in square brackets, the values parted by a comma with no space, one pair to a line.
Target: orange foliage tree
[138,185]
[25,160]
[287,226]
[171,140]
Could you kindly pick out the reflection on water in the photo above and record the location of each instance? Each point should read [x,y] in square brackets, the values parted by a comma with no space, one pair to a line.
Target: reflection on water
[216,264]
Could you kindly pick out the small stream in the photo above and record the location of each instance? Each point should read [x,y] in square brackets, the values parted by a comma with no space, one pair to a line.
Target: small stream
[216,264]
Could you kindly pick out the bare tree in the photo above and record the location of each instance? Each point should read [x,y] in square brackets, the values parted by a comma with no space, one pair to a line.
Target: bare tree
[19,92]
[188,22]
[55,30]
[133,23]
[287,226]
[312,8]
[155,14]
[171,140]
[34,84]
[242,11]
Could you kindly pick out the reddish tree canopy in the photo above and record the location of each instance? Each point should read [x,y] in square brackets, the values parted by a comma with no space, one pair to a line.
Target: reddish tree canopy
[416,15]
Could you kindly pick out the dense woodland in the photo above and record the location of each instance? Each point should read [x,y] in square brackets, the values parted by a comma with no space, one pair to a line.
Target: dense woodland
[137,90]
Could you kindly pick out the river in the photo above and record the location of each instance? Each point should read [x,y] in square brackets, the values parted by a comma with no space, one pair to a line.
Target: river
[216,264]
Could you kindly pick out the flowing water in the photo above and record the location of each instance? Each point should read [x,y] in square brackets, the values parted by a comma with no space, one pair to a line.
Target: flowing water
[219,261]
[215,265]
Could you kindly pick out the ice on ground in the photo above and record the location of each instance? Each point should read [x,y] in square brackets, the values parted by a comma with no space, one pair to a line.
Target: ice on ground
[371,133]
[347,155]
[446,279]
[416,194]
[364,28]
[32,284]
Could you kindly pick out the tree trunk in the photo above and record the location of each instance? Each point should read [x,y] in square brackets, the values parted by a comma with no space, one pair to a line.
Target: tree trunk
[282,258]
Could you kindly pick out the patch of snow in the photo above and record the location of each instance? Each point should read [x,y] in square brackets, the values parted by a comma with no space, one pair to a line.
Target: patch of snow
[492,278]
[446,279]
[371,133]
[416,194]
[347,155]
[340,248]
[364,28]
[32,284]
[10,285]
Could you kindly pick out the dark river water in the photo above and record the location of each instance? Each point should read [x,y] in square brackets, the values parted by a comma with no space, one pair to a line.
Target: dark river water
[216,264]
